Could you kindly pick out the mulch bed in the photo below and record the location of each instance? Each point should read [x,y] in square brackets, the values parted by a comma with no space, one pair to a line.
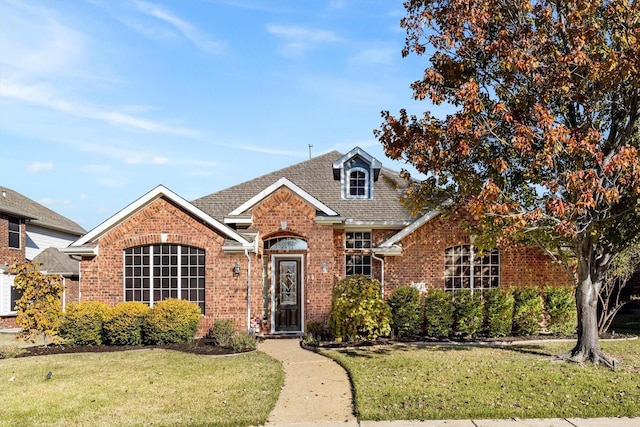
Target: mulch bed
[459,340]
[198,346]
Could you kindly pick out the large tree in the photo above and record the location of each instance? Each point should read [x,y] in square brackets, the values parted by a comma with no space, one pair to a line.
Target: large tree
[543,142]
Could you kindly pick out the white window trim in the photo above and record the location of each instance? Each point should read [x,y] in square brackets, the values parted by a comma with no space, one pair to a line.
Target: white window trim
[472,258]
[359,251]
[151,265]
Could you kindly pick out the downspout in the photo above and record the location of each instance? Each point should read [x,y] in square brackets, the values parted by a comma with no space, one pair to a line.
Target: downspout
[382,272]
[64,294]
[246,252]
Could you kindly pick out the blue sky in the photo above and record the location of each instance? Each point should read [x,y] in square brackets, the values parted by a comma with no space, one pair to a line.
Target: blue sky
[102,100]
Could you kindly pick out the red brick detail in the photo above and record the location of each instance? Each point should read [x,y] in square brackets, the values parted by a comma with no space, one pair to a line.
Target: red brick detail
[422,259]
[11,255]
[299,215]
[163,222]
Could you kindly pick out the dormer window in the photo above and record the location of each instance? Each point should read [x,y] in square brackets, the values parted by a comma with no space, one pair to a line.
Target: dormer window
[357,171]
[358,183]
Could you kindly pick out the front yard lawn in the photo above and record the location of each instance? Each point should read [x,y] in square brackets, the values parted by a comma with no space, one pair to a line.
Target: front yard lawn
[461,382]
[144,387]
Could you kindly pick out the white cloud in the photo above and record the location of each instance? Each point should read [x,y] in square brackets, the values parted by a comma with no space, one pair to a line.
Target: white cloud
[42,95]
[375,56]
[299,40]
[36,43]
[158,160]
[188,30]
[39,167]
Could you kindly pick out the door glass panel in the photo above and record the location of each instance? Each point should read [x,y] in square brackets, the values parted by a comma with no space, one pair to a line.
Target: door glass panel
[288,283]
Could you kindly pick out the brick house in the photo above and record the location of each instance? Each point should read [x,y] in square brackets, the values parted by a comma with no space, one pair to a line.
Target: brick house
[32,232]
[272,248]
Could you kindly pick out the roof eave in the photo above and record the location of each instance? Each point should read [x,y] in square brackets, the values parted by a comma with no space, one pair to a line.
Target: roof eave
[394,250]
[86,250]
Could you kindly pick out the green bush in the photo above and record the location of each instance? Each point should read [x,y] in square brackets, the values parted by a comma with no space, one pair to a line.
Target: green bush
[244,342]
[467,312]
[10,351]
[404,303]
[438,313]
[171,321]
[358,310]
[498,312]
[124,325]
[222,332]
[81,324]
[527,311]
[560,310]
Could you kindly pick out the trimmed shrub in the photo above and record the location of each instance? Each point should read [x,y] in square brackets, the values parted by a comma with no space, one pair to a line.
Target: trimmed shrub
[467,312]
[10,351]
[124,325]
[498,312]
[81,324]
[438,313]
[171,321]
[242,343]
[222,332]
[404,303]
[358,310]
[318,331]
[527,311]
[560,310]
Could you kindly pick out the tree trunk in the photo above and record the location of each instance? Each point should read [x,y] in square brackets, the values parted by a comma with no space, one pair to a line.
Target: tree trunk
[590,276]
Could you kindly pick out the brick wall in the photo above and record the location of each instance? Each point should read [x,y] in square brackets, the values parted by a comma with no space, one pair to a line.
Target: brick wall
[225,294]
[423,259]
[11,255]
[284,205]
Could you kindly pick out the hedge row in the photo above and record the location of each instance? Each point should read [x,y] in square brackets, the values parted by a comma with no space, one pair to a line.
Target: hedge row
[358,311]
[130,323]
[493,313]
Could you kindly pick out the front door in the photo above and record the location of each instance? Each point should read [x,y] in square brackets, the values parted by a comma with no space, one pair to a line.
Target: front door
[288,295]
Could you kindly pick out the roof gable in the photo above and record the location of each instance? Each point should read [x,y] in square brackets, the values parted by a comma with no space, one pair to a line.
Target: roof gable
[142,202]
[283,182]
[339,165]
[315,178]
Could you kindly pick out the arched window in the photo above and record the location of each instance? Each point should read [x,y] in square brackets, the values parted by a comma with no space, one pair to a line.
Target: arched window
[153,273]
[464,269]
[358,183]
[285,244]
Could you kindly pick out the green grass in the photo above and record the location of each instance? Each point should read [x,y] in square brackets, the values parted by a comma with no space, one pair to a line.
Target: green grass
[145,387]
[460,382]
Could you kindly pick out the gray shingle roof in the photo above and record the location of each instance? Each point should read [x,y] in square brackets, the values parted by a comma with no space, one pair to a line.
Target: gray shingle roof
[15,204]
[55,262]
[315,176]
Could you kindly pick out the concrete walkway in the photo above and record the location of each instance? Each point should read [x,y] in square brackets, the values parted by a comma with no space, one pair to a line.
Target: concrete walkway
[317,393]
[316,389]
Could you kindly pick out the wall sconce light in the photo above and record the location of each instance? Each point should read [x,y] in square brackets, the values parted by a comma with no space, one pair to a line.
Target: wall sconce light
[324,267]
[236,269]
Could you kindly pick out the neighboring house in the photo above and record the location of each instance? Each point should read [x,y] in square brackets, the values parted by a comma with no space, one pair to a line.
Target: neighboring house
[26,230]
[273,248]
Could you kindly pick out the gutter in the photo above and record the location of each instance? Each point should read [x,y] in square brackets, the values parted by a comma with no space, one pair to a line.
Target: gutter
[382,274]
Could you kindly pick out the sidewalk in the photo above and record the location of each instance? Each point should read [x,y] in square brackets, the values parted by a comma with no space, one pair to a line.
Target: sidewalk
[317,393]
